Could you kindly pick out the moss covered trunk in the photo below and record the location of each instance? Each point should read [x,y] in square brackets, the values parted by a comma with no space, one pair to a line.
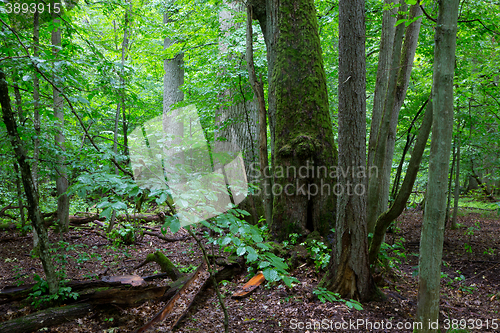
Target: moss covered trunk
[305,153]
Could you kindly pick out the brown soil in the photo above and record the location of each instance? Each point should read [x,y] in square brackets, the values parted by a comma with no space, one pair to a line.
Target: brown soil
[469,292]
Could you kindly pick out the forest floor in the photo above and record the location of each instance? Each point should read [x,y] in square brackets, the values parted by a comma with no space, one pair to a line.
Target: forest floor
[470,293]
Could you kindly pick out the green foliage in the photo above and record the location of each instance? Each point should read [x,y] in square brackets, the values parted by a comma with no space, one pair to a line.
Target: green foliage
[325,295]
[459,282]
[40,296]
[319,252]
[233,234]
[392,255]
[124,234]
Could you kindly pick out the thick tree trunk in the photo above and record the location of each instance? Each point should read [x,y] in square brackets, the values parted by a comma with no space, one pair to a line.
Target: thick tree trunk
[61,172]
[305,152]
[431,242]
[384,220]
[240,121]
[350,275]
[29,187]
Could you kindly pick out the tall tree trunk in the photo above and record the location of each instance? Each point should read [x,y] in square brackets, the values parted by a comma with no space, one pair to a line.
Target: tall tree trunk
[457,186]
[394,100]
[258,89]
[406,65]
[384,220]
[36,118]
[121,103]
[376,180]
[383,68]
[350,275]
[431,241]
[29,186]
[239,122]
[305,152]
[61,172]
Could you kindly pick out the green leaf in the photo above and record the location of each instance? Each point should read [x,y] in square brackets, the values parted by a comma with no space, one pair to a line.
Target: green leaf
[107,213]
[271,274]
[252,254]
[241,251]
[175,226]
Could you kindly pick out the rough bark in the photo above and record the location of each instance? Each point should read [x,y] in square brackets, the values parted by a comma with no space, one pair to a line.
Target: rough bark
[46,318]
[61,172]
[406,65]
[376,180]
[258,89]
[457,187]
[29,187]
[240,122]
[383,67]
[431,241]
[350,275]
[399,204]
[305,152]
[36,117]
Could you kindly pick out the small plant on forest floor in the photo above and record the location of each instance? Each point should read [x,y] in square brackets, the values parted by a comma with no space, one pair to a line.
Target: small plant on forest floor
[470,232]
[41,296]
[392,255]
[319,252]
[325,295]
[460,280]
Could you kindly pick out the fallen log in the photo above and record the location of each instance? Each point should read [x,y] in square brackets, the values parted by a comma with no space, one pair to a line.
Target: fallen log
[45,318]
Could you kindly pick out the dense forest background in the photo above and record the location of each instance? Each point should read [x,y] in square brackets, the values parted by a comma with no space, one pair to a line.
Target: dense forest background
[291,84]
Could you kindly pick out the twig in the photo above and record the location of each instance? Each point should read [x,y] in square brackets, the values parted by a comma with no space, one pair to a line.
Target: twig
[212,276]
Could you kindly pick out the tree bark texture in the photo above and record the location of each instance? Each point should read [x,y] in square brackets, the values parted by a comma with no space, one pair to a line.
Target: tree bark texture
[239,120]
[399,204]
[303,194]
[431,241]
[350,275]
[61,172]
[376,180]
[258,89]
[29,187]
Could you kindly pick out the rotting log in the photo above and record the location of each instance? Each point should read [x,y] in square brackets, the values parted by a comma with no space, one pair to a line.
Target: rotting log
[45,318]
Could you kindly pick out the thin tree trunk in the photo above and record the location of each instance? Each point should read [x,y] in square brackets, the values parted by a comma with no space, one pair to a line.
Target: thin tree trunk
[384,220]
[36,118]
[350,273]
[431,241]
[29,186]
[450,181]
[61,173]
[376,181]
[407,56]
[121,104]
[20,198]
[409,141]
[457,186]
[258,89]
[383,68]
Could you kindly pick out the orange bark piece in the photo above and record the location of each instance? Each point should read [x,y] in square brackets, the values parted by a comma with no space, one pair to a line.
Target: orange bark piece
[250,285]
